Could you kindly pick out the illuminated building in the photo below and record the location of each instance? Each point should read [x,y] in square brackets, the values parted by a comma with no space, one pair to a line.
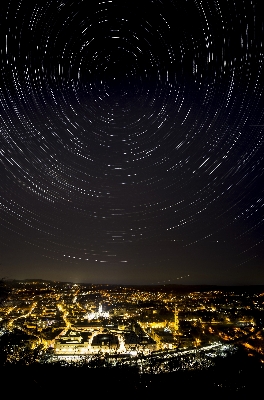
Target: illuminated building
[134,342]
[176,320]
[72,342]
[99,314]
[105,341]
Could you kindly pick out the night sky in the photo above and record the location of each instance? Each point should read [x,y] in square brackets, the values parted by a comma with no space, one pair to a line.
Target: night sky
[131,144]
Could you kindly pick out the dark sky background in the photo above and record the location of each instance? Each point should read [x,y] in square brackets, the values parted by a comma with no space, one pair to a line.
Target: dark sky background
[131,147]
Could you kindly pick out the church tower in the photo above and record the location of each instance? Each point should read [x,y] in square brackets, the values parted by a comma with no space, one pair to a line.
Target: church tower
[176,320]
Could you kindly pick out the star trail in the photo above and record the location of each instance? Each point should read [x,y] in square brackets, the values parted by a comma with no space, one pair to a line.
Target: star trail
[131,146]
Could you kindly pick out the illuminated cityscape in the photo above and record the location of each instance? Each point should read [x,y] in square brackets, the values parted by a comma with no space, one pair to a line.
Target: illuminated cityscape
[71,322]
[153,331]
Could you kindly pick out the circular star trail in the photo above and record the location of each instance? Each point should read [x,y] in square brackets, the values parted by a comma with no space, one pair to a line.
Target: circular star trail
[132,141]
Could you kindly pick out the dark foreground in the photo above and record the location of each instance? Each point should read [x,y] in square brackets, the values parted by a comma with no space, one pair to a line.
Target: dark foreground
[238,376]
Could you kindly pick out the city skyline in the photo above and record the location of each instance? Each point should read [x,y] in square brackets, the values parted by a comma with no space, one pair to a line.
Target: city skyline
[131,144]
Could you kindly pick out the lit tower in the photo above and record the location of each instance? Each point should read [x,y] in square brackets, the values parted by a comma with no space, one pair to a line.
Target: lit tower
[176,319]
[100,309]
